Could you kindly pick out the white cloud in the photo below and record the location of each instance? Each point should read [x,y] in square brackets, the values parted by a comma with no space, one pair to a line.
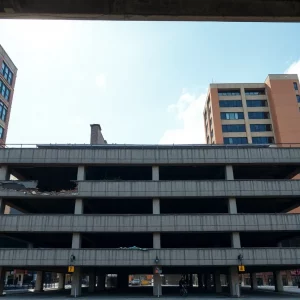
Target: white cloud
[294,68]
[189,111]
[101,81]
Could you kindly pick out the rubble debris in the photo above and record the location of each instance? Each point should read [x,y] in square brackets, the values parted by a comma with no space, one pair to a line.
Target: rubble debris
[30,188]
[134,248]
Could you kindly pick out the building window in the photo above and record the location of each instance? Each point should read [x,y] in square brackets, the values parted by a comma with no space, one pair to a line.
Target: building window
[7,73]
[298,98]
[235,140]
[229,92]
[260,127]
[262,140]
[4,90]
[230,103]
[232,115]
[3,112]
[295,86]
[257,103]
[234,128]
[258,115]
[255,92]
[1,132]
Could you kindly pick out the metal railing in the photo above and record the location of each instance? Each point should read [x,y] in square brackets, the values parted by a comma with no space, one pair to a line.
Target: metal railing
[149,146]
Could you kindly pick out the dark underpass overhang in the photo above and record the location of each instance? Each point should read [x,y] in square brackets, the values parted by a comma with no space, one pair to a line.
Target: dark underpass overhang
[166,10]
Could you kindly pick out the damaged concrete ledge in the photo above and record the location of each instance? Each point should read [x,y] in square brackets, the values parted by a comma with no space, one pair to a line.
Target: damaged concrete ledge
[18,185]
[17,188]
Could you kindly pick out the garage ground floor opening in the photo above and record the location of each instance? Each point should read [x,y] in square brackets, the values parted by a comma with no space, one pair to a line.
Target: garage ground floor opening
[158,281]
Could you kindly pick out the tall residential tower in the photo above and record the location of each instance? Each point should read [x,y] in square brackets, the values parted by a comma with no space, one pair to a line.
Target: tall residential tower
[254,113]
[8,74]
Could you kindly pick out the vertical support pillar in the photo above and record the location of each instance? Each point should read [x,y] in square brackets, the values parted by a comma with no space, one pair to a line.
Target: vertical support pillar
[156,206]
[289,278]
[61,281]
[101,282]
[2,277]
[76,283]
[76,240]
[81,173]
[78,207]
[253,279]
[123,281]
[2,206]
[234,285]
[200,281]
[156,240]
[39,283]
[92,281]
[155,173]
[229,172]
[191,281]
[232,207]
[235,240]
[4,174]
[157,282]
[217,278]
[278,281]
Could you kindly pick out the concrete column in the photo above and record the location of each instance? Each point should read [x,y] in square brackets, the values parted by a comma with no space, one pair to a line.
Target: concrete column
[76,240]
[76,283]
[61,281]
[2,278]
[78,207]
[156,206]
[155,173]
[235,240]
[2,206]
[232,207]
[217,278]
[206,282]
[156,240]
[4,174]
[200,282]
[101,282]
[39,283]
[81,173]
[289,278]
[253,281]
[157,289]
[123,281]
[92,282]
[234,285]
[229,172]
[278,281]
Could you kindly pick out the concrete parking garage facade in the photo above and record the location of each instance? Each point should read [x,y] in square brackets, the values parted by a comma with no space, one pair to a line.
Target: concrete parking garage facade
[188,209]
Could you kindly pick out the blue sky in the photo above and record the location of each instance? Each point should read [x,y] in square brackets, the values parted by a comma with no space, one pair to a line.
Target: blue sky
[144,82]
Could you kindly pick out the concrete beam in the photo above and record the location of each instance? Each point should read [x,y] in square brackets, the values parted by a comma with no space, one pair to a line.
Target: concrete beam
[149,155]
[150,223]
[287,258]
[175,10]
[211,188]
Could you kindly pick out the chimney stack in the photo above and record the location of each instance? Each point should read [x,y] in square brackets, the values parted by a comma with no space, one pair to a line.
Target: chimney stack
[96,135]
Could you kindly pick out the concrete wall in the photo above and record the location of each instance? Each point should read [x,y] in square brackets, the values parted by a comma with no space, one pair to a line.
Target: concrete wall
[153,155]
[158,189]
[149,223]
[168,257]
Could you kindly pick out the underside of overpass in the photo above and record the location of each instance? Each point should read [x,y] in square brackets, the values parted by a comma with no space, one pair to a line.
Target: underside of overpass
[177,10]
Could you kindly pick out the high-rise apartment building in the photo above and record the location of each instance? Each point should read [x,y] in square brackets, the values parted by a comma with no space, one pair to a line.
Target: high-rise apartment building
[254,113]
[8,74]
